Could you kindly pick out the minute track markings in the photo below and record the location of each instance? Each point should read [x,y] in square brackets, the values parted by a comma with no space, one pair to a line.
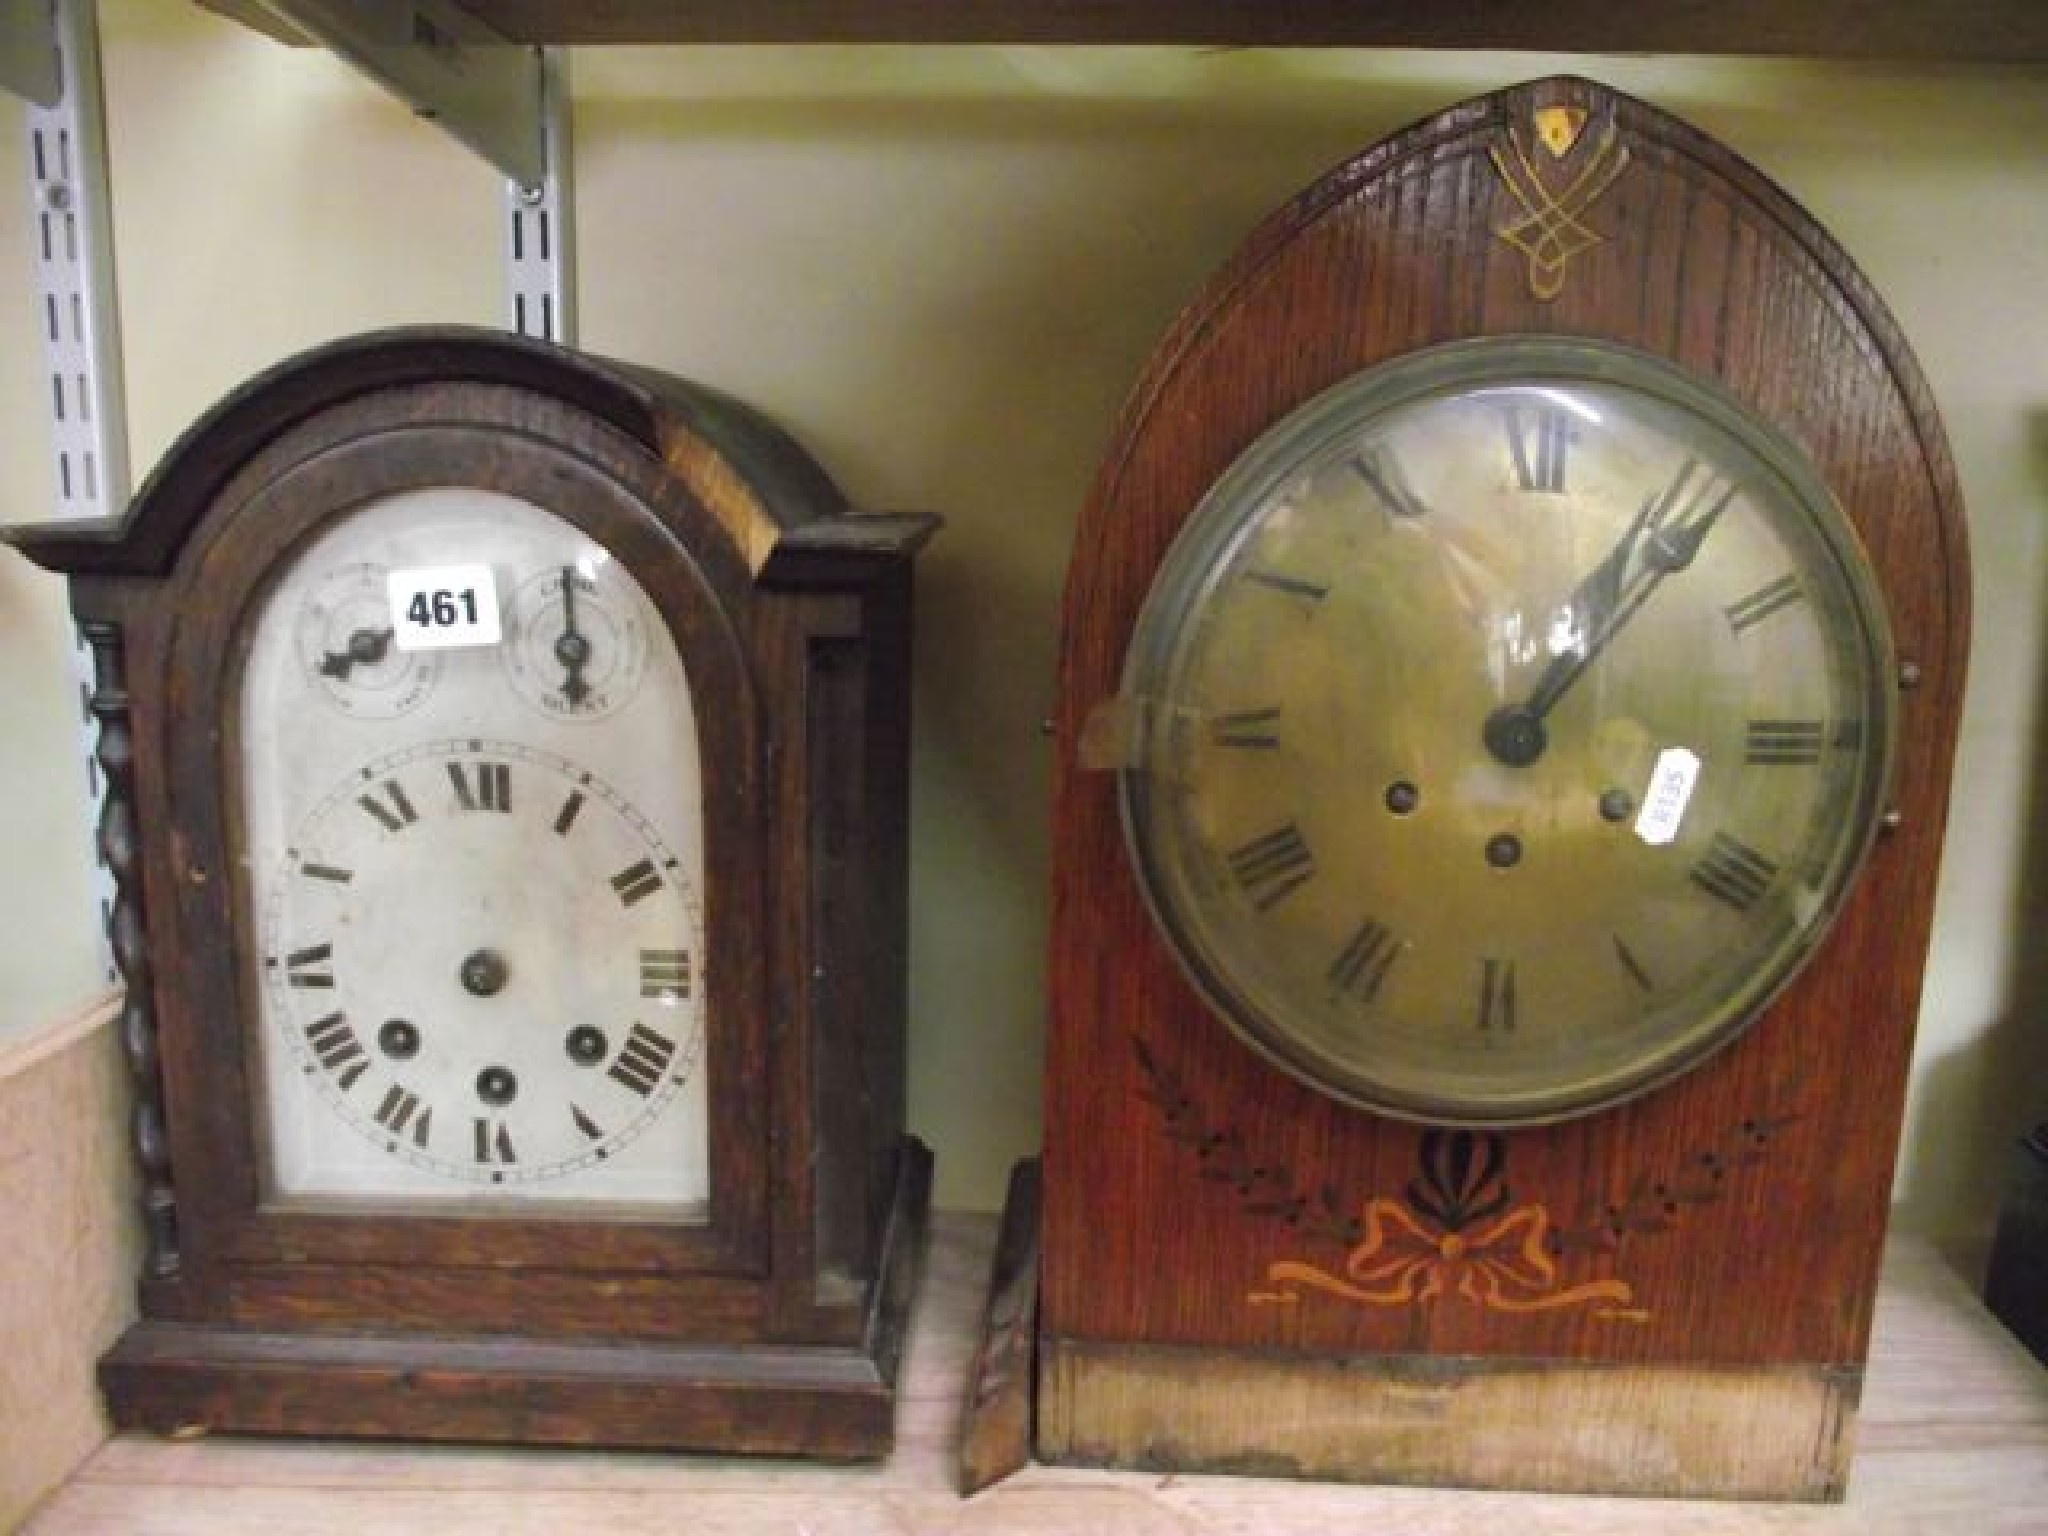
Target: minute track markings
[345,860]
[1292,586]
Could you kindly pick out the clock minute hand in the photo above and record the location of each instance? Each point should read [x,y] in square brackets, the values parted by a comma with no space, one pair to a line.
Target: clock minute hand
[1515,733]
[1665,551]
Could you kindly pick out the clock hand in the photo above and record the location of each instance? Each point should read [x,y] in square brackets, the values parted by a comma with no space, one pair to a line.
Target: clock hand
[1611,594]
[572,649]
[366,647]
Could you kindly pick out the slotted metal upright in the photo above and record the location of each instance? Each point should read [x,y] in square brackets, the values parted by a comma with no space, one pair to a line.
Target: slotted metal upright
[508,102]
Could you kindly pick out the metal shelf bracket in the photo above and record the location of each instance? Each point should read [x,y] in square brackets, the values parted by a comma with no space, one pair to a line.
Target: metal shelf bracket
[540,231]
[507,102]
[75,297]
[443,63]
[29,65]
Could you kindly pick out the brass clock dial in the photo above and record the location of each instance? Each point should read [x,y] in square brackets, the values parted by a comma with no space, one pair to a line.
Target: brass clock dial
[1514,718]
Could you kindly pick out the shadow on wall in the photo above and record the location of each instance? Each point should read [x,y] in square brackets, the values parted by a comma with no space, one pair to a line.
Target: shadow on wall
[1987,1096]
[943,271]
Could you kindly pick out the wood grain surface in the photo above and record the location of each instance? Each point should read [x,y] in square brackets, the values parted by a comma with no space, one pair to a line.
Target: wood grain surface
[1863,29]
[1954,1435]
[1732,1218]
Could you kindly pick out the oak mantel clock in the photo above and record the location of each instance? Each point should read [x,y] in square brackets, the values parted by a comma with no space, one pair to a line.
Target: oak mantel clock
[506,761]
[1510,678]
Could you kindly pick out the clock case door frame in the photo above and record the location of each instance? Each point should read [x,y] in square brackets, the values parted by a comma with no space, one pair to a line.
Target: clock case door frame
[351,458]
[775,1325]
[1741,1207]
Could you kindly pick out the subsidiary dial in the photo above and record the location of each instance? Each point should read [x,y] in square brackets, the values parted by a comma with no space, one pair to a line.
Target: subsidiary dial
[576,647]
[346,644]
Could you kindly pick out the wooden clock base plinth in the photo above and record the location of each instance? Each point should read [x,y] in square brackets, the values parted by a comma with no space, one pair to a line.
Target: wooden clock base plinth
[1554,1426]
[829,1401]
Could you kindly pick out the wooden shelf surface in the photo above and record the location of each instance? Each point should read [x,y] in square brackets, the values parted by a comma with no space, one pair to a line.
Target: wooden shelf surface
[2013,31]
[1953,1439]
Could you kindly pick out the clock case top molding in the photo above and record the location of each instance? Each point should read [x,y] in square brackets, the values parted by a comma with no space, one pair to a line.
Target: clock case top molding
[1743,1207]
[776,1324]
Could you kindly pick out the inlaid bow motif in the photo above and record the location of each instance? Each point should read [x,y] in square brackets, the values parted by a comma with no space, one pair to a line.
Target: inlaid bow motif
[1449,1238]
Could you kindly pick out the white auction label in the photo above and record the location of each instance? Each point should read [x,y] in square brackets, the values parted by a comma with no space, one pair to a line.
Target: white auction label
[1670,791]
[440,607]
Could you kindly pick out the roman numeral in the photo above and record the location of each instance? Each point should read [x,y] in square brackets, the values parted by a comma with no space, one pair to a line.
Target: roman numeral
[1272,866]
[664,973]
[1784,743]
[565,818]
[313,967]
[336,1048]
[1766,600]
[1362,964]
[1632,965]
[635,881]
[1248,728]
[401,1110]
[493,1142]
[388,806]
[492,790]
[1733,872]
[1381,471]
[643,1059]
[1496,996]
[589,1127]
[1538,440]
[327,872]
[1293,586]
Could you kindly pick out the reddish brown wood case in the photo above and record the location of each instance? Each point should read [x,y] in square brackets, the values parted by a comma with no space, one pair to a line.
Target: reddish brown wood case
[776,1325]
[1673,1296]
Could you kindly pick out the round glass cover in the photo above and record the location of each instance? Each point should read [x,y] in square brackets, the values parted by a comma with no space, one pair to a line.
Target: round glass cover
[1511,722]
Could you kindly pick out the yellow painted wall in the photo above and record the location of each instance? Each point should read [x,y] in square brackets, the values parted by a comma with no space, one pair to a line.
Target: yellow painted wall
[941,269]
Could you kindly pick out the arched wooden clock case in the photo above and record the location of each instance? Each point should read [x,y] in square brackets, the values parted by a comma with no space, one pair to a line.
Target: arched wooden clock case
[1669,1292]
[767,1315]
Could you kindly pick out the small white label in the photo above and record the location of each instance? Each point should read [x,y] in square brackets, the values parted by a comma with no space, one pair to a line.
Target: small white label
[439,607]
[1671,786]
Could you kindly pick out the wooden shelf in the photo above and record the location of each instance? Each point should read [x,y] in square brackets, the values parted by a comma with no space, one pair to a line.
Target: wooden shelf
[1953,1437]
[2010,31]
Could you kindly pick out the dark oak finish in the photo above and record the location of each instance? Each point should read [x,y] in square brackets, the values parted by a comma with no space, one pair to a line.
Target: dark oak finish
[2016,1281]
[995,1432]
[1990,30]
[775,1324]
[1724,1228]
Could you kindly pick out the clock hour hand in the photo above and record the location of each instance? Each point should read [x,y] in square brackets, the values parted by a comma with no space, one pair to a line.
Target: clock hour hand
[365,648]
[572,647]
[1608,598]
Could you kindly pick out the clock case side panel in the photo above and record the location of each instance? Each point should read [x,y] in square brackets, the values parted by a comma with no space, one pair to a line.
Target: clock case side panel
[852,1186]
[1178,1167]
